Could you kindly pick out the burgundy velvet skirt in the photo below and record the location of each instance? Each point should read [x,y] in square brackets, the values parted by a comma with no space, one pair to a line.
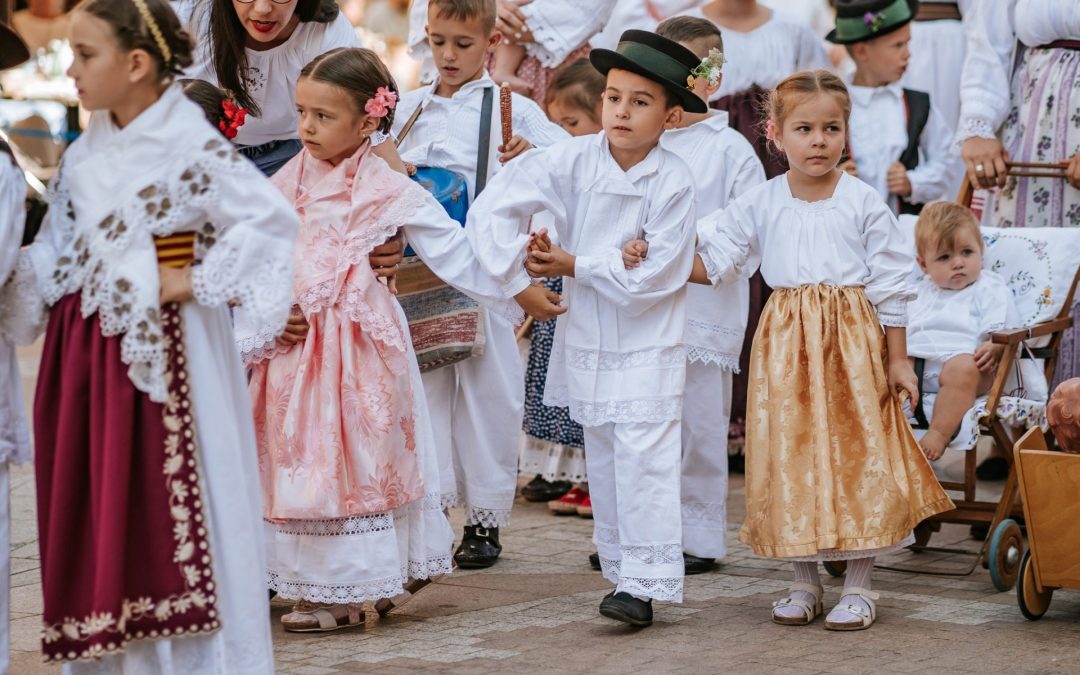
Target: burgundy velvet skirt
[125,551]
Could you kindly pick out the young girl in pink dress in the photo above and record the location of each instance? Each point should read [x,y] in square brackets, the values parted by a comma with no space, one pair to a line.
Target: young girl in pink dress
[345,445]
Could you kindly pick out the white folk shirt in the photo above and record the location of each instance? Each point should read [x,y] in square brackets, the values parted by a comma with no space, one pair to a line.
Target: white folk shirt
[618,354]
[849,239]
[725,166]
[447,132]
[14,437]
[943,323]
[271,74]
[992,28]
[878,136]
[767,54]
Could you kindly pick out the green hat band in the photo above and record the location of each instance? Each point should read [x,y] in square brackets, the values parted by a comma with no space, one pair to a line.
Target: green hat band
[655,60]
[851,28]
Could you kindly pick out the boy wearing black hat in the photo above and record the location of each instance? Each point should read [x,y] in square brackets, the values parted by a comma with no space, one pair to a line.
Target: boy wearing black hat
[897,142]
[618,361]
[14,438]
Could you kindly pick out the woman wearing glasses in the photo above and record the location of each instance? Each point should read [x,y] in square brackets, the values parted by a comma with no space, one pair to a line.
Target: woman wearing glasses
[255,49]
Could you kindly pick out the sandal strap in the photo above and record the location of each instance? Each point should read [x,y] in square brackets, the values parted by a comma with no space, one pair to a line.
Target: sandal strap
[792,602]
[816,591]
[867,596]
[325,618]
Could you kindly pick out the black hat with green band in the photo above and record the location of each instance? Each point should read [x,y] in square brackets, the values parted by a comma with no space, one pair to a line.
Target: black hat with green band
[862,20]
[658,59]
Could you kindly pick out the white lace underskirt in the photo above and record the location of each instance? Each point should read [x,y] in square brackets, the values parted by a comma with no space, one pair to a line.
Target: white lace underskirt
[553,461]
[832,554]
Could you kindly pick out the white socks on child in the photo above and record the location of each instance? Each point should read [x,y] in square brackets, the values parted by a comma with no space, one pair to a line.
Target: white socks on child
[807,573]
[857,576]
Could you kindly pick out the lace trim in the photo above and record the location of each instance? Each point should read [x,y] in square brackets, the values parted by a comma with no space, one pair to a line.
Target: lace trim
[705,514]
[726,361]
[596,360]
[449,500]
[665,589]
[336,527]
[605,536]
[487,517]
[377,589]
[893,312]
[431,502]
[660,554]
[972,127]
[647,411]
[22,304]
[259,347]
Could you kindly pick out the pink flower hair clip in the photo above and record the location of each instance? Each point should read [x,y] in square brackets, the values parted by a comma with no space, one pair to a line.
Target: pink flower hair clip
[382,102]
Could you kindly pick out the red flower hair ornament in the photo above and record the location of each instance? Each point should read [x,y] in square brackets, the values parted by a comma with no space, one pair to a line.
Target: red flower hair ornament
[234,118]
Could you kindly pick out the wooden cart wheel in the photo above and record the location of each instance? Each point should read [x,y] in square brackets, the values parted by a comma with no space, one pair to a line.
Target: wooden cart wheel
[1006,549]
[1033,604]
[835,568]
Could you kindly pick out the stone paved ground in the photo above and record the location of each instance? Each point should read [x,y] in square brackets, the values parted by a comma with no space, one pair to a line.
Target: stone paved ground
[535,612]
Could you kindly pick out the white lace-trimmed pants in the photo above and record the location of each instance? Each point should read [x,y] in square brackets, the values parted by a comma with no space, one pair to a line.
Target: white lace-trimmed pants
[706,411]
[634,486]
[476,410]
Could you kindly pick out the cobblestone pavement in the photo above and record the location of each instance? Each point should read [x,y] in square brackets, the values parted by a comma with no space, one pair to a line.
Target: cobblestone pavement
[535,612]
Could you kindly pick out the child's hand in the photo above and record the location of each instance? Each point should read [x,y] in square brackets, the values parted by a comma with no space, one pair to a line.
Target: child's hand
[902,379]
[539,303]
[296,328]
[849,167]
[385,257]
[517,85]
[634,252]
[1072,173]
[175,284]
[987,356]
[898,181]
[553,262]
[515,147]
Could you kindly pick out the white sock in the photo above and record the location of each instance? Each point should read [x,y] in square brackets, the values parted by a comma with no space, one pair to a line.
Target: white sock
[807,573]
[857,576]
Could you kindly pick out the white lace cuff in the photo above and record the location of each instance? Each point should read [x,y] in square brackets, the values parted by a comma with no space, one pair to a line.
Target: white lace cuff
[22,304]
[893,312]
[972,127]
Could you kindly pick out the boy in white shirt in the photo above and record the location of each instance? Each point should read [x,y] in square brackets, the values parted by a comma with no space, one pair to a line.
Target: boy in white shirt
[898,143]
[477,404]
[949,323]
[618,361]
[724,165]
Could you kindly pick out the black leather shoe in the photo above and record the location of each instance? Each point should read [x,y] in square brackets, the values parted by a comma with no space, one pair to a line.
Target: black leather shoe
[628,609]
[594,561]
[992,468]
[695,565]
[540,490]
[479,548]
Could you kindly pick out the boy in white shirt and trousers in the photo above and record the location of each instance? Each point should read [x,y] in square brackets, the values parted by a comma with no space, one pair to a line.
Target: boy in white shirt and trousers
[618,361]
[898,142]
[476,405]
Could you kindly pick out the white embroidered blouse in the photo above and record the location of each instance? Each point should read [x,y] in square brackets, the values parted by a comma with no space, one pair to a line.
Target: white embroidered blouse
[943,323]
[849,239]
[167,171]
[618,352]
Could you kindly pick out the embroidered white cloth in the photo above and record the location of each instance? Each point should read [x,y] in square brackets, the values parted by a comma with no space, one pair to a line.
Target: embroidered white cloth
[878,136]
[943,323]
[636,15]
[618,353]
[992,28]
[724,165]
[447,131]
[849,239]
[14,436]
[167,171]
[272,73]
[767,54]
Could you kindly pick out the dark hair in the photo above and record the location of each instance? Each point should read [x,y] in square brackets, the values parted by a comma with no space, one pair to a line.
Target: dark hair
[228,38]
[356,71]
[686,29]
[461,10]
[580,84]
[132,31]
[209,98]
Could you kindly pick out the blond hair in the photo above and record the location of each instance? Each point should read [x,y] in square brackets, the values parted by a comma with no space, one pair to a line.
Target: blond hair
[463,10]
[940,223]
[796,88]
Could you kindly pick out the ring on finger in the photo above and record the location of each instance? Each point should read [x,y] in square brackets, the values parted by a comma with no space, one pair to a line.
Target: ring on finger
[979,168]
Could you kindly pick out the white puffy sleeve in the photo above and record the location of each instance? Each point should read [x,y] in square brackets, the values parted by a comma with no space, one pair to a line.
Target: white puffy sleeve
[498,222]
[810,54]
[561,26]
[533,125]
[744,167]
[888,260]
[728,243]
[339,33]
[932,178]
[984,85]
[670,231]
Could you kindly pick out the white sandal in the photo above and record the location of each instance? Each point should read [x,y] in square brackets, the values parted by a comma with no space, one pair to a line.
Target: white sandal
[811,611]
[866,618]
[310,618]
[385,605]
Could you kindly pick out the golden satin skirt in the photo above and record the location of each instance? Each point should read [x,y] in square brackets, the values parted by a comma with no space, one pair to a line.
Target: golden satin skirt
[831,463]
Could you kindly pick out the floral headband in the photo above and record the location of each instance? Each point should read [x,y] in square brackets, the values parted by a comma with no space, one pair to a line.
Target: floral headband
[381,103]
[235,116]
[708,69]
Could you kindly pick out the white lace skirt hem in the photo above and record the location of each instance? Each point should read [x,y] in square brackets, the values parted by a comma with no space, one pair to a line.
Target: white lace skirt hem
[832,554]
[553,461]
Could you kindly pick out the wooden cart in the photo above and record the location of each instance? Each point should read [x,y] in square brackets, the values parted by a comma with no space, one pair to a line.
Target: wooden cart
[1049,485]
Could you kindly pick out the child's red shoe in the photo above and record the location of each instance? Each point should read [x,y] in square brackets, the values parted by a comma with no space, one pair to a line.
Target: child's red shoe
[568,504]
[584,509]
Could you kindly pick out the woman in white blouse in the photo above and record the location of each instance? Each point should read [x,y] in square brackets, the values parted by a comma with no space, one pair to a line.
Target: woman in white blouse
[1030,113]
[256,49]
